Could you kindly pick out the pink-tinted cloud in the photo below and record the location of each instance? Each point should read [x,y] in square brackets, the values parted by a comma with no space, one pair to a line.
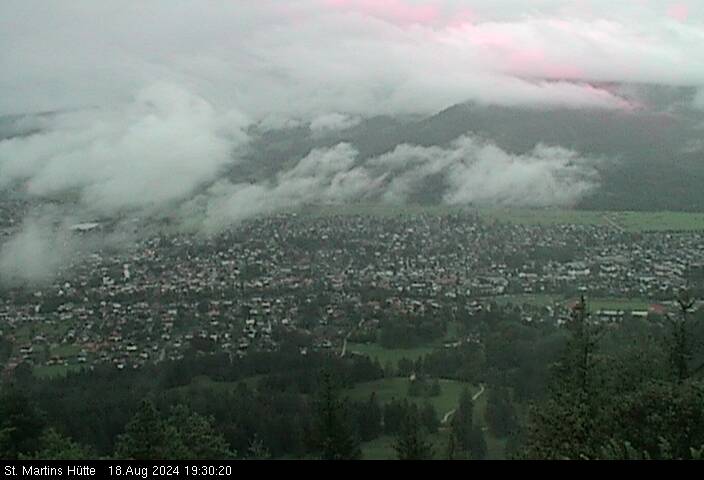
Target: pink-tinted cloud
[678,11]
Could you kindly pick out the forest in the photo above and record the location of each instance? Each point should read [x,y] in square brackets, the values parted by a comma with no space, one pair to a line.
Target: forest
[585,390]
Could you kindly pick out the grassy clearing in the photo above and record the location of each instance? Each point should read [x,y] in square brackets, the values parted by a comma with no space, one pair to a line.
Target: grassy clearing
[388,389]
[495,447]
[630,221]
[453,332]
[660,221]
[54,371]
[203,382]
[384,355]
[625,304]
[594,303]
[535,300]
[542,216]
[65,351]
[382,448]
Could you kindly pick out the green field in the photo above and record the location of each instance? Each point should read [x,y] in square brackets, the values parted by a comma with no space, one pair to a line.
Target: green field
[385,355]
[65,351]
[660,221]
[625,304]
[542,216]
[202,382]
[54,371]
[382,448]
[535,300]
[629,221]
[388,389]
[593,303]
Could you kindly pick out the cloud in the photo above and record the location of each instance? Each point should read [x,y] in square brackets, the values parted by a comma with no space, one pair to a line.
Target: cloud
[547,176]
[156,150]
[332,122]
[698,101]
[307,58]
[477,172]
[152,102]
[324,175]
[36,253]
[473,171]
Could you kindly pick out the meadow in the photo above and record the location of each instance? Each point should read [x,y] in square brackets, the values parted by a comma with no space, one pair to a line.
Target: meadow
[387,389]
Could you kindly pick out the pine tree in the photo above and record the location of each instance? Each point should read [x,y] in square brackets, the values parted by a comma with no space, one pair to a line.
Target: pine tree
[54,446]
[429,418]
[197,435]
[411,442]
[462,423]
[500,413]
[21,425]
[334,435]
[369,420]
[477,444]
[679,350]
[566,425]
[257,450]
[147,437]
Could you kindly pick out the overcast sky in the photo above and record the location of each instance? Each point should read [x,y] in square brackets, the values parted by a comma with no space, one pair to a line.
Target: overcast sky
[274,58]
[157,97]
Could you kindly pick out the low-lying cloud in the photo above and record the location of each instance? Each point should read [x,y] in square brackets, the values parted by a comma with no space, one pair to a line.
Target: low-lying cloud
[473,171]
[153,102]
[156,150]
[698,101]
[36,253]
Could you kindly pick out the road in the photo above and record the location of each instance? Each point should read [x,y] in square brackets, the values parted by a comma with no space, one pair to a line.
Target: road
[613,223]
[344,342]
[447,416]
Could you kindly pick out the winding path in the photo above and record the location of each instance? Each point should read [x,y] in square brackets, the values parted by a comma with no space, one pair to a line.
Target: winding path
[447,416]
[344,343]
[613,223]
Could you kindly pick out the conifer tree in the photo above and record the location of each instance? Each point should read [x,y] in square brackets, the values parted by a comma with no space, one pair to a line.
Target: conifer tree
[411,442]
[335,438]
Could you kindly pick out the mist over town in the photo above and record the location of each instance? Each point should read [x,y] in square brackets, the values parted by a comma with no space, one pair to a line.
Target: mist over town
[351,229]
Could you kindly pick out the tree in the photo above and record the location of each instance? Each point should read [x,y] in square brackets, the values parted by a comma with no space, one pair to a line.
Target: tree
[411,442]
[577,368]
[198,436]
[661,413]
[389,370]
[369,418]
[462,424]
[477,444]
[394,412]
[429,418]
[334,436]
[257,450]
[147,437]
[567,424]
[21,425]
[500,413]
[54,446]
[679,348]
